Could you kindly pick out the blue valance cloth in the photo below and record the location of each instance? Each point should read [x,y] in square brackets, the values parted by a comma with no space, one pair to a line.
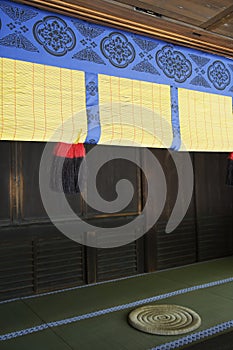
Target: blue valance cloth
[29,36]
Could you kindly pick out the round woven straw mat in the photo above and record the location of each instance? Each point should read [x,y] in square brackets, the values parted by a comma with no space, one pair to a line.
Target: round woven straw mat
[164,319]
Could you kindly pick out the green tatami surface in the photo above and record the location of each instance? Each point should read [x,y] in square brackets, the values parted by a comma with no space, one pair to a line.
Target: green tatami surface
[45,340]
[111,330]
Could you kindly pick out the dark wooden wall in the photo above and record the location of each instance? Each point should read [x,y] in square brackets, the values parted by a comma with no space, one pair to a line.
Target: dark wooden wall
[35,257]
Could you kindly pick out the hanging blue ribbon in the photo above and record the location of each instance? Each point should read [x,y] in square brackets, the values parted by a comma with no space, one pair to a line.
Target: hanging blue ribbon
[92,108]
[175,119]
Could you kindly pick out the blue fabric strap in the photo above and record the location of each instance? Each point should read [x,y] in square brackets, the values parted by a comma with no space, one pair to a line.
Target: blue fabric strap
[175,119]
[92,107]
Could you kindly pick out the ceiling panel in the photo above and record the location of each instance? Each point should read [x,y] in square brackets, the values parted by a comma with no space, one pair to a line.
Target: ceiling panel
[225,28]
[193,12]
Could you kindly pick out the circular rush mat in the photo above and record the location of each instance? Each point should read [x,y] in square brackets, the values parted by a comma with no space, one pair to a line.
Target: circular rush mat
[164,319]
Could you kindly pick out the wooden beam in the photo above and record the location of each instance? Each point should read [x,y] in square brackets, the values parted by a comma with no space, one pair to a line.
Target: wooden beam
[110,14]
[151,7]
[221,17]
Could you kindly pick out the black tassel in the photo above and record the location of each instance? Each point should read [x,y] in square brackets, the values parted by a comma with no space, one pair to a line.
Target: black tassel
[229,179]
[65,167]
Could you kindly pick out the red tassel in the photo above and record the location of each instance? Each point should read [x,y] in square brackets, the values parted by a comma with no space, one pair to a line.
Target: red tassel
[65,167]
[230,156]
[68,150]
[229,178]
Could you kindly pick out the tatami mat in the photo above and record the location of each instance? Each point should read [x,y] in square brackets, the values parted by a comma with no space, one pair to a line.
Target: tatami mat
[96,316]
[45,340]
